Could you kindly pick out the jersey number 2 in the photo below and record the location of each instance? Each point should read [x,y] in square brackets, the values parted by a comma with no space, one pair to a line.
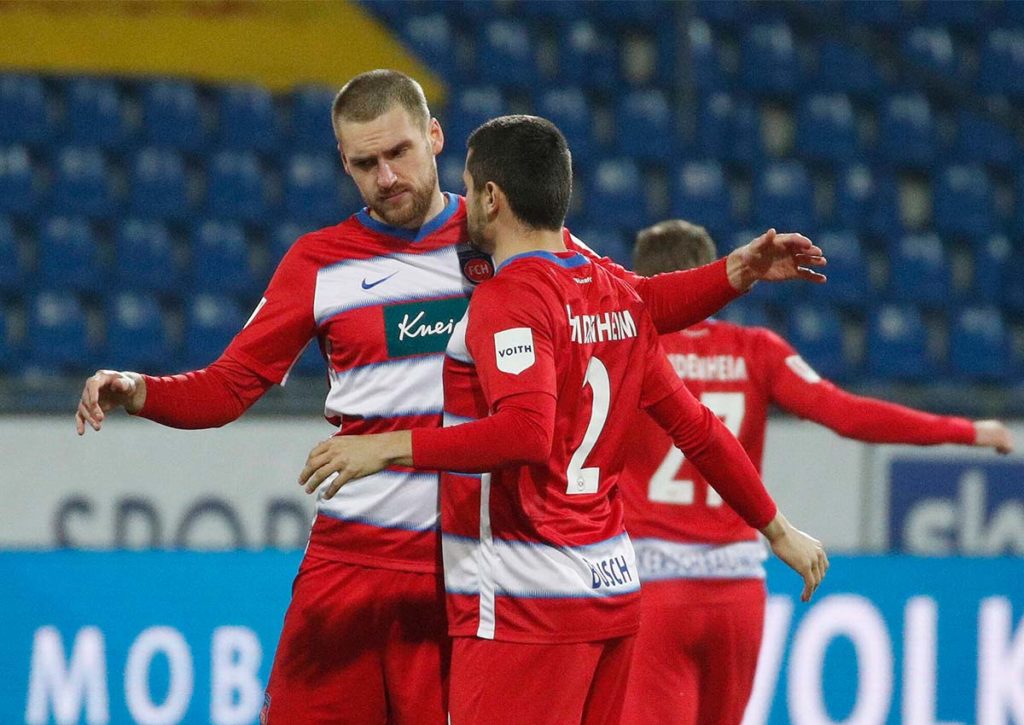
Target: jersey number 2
[580,479]
[664,488]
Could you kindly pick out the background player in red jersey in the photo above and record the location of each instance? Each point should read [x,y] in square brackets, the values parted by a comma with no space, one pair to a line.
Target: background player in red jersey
[704,598]
[550,363]
[364,637]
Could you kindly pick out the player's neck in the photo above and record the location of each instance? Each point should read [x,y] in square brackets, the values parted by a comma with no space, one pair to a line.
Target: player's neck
[517,239]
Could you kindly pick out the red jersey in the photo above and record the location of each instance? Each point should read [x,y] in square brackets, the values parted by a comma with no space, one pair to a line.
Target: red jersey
[737,372]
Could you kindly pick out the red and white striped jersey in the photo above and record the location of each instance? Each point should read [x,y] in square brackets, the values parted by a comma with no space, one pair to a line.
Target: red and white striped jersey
[538,553]
[681,527]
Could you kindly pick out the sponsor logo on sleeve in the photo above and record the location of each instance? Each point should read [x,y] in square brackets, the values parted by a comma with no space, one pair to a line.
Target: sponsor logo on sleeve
[513,349]
[799,366]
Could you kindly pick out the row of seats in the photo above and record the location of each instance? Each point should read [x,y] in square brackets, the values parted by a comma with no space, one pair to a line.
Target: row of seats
[137,334]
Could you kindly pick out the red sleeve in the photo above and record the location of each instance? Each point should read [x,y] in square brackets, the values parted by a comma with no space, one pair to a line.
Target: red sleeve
[675,300]
[796,387]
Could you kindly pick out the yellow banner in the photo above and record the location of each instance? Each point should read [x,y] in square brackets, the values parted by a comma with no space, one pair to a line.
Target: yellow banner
[276,44]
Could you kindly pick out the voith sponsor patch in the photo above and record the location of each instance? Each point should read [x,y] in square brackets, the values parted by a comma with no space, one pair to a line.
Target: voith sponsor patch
[513,350]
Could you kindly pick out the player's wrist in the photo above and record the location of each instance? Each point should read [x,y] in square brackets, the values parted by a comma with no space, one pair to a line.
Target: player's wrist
[136,398]
[776,528]
[741,276]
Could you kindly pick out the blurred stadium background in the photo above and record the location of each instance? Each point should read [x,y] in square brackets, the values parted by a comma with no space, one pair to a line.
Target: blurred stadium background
[157,159]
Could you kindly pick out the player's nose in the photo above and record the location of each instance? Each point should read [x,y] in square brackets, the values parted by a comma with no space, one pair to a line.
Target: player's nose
[386,176]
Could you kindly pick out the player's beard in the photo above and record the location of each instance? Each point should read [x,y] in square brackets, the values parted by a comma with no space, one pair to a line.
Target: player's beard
[413,212]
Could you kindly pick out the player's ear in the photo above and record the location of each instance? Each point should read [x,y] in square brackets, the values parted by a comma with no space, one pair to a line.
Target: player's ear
[494,199]
[436,136]
[344,161]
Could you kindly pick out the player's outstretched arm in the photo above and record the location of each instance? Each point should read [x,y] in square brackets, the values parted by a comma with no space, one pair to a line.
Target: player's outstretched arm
[106,390]
[993,434]
[802,553]
[774,257]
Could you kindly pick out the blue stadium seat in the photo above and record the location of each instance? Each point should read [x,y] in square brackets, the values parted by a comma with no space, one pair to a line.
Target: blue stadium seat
[10,347]
[730,130]
[1001,62]
[311,128]
[13,270]
[18,193]
[847,271]
[615,195]
[748,313]
[24,111]
[768,60]
[705,65]
[235,188]
[57,332]
[881,14]
[868,202]
[569,109]
[898,344]
[701,194]
[211,322]
[817,334]
[68,256]
[992,263]
[932,49]
[982,140]
[646,126]
[919,270]
[81,184]
[607,242]
[844,68]
[826,129]
[432,39]
[962,200]
[136,336]
[146,260]
[283,236]
[907,135]
[449,171]
[545,10]
[313,190]
[632,15]
[783,197]
[158,187]
[220,259]
[587,58]
[172,116]
[472,107]
[505,54]
[96,113]
[961,15]
[979,344]
[247,119]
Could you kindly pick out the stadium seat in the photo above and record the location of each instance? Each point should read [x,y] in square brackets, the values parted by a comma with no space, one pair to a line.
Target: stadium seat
[907,135]
[146,260]
[211,322]
[505,54]
[608,242]
[247,119]
[844,68]
[311,128]
[978,344]
[898,344]
[730,130]
[235,187]
[569,109]
[68,256]
[880,14]
[1001,62]
[158,187]
[817,334]
[10,347]
[615,195]
[646,126]
[449,171]
[705,66]
[13,270]
[919,271]
[958,15]
[96,113]
[748,313]
[932,49]
[962,200]
[769,64]
[848,280]
[631,15]
[25,116]
[472,107]
[18,193]
[587,58]
[783,197]
[992,262]
[312,190]
[57,332]
[982,140]
[826,129]
[432,39]
[545,10]
[81,183]
[283,236]
[136,337]
[701,195]
[172,116]
[220,259]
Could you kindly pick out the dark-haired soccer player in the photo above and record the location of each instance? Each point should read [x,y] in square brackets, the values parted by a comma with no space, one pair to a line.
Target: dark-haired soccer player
[550,364]
[704,596]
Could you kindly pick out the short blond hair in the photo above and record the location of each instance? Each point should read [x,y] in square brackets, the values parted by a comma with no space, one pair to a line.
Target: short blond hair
[672,245]
[370,95]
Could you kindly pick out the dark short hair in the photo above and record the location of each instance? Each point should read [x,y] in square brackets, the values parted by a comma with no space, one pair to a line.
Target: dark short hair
[671,245]
[374,93]
[528,158]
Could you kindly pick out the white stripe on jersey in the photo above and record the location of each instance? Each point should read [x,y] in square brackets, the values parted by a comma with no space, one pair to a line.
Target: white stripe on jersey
[407,386]
[530,570]
[391,278]
[660,560]
[389,499]
[457,349]
[486,561]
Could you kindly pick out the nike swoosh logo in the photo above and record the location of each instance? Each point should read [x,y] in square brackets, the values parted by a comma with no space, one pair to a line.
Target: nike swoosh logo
[371,285]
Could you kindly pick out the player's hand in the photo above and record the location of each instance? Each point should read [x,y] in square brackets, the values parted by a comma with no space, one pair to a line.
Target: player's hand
[105,390]
[804,554]
[993,434]
[348,457]
[774,257]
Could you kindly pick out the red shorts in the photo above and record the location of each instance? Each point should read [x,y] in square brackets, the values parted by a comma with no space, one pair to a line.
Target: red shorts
[361,645]
[696,652]
[538,684]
